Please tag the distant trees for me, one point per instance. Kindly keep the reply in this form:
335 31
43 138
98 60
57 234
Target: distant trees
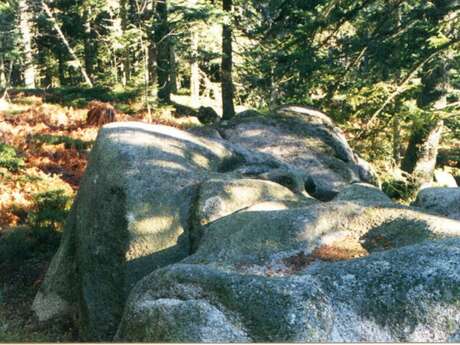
375 65
194 63
9 42
228 108
76 59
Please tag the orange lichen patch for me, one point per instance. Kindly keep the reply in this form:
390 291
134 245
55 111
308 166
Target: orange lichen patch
333 253
328 253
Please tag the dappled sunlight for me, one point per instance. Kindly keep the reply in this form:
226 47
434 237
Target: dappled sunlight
154 225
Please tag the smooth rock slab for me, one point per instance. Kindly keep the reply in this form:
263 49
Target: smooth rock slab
363 192
265 236
221 197
444 179
407 294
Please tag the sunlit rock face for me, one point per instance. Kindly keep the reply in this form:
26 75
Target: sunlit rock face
132 215
444 201
264 228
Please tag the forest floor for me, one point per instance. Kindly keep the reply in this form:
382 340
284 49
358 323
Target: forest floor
44 147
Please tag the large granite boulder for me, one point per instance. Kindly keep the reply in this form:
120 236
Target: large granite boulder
131 215
405 294
364 193
443 201
307 142
222 234
141 205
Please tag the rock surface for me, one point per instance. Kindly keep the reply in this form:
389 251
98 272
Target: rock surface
308 144
444 179
406 294
442 201
265 237
131 216
363 192
221 234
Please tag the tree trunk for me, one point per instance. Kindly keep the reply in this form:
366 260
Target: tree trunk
173 66
422 151
126 66
7 79
397 56
163 56
44 60
89 43
228 108
397 140
152 63
61 67
24 26
434 85
67 45
194 71
2 72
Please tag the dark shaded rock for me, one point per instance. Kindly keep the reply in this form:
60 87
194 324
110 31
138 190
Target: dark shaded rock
207 115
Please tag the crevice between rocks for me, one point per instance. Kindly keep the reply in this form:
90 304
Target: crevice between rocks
194 226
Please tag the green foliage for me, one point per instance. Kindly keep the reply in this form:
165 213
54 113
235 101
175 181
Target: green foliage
41 233
80 97
50 211
9 159
355 60
402 189
18 245
9 34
